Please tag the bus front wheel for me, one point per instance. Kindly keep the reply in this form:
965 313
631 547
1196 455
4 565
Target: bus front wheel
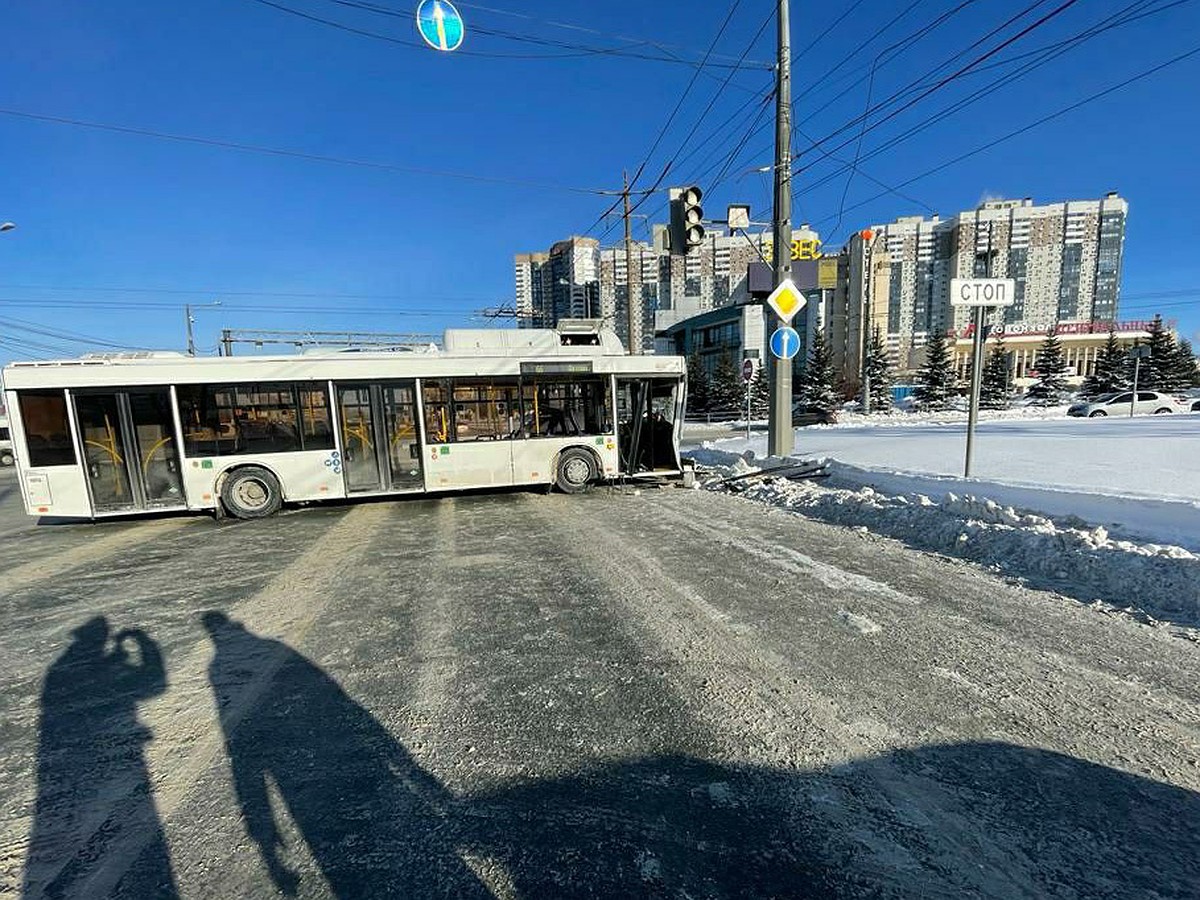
576 471
6 458
251 492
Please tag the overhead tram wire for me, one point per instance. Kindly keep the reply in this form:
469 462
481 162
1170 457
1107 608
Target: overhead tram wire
666 48
887 55
724 162
1009 60
291 154
667 124
875 63
832 25
703 115
1146 73
958 73
1049 54
227 309
930 73
573 51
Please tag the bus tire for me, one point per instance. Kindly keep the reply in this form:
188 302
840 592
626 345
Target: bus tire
576 471
251 492
6 458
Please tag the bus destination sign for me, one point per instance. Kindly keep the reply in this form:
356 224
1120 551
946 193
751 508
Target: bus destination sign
556 368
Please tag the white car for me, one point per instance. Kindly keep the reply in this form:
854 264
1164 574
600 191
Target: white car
1148 403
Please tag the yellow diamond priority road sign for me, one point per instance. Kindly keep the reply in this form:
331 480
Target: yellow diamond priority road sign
786 300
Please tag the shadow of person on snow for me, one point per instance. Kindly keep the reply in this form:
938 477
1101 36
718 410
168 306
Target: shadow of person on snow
940 820
94 800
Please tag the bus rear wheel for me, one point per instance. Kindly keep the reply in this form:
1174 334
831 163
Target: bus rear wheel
6 458
251 492
576 471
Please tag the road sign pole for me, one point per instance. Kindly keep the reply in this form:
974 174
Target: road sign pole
976 386
780 437
748 378
1137 362
747 412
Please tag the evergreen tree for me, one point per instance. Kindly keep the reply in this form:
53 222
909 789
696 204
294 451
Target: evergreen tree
760 393
879 369
1157 371
1051 369
699 387
994 390
727 390
818 381
1186 370
935 379
1109 375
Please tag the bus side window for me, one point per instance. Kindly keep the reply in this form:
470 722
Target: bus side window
47 432
436 396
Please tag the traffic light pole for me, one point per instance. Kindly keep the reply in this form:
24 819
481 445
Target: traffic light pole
780 437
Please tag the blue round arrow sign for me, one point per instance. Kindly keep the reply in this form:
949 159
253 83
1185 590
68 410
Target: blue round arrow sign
440 24
785 343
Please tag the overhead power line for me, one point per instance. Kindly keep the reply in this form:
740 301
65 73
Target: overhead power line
1032 125
958 73
291 154
1113 21
667 124
571 50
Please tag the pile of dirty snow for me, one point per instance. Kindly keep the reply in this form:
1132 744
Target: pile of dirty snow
1160 581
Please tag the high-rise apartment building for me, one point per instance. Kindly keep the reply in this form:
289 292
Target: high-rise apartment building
1064 257
561 284
577 279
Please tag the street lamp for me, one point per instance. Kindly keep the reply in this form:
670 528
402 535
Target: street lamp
7 226
191 320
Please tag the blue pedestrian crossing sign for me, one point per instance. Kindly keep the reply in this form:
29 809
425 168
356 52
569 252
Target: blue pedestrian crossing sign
440 24
785 342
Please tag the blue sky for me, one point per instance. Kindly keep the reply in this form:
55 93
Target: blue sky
117 231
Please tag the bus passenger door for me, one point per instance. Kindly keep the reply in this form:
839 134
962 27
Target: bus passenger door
356 419
648 416
129 450
381 447
399 402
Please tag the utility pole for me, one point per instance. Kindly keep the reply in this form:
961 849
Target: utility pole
633 308
780 437
191 340
865 318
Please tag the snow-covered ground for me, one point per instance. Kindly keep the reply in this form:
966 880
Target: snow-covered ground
1139 478
1109 510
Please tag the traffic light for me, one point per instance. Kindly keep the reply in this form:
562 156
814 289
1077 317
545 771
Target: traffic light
687 219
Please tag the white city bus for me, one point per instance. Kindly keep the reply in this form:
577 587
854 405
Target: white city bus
128 433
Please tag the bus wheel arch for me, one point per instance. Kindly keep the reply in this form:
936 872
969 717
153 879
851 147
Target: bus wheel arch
576 468
249 491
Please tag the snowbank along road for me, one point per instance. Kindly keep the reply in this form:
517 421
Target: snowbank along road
678 694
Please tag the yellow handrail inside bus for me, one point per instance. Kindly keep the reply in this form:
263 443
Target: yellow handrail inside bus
150 454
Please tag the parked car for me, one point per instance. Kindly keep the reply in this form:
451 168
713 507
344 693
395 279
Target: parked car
1117 404
812 415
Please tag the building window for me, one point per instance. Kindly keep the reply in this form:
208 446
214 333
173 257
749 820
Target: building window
47 431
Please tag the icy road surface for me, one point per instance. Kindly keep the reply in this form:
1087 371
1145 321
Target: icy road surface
675 694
